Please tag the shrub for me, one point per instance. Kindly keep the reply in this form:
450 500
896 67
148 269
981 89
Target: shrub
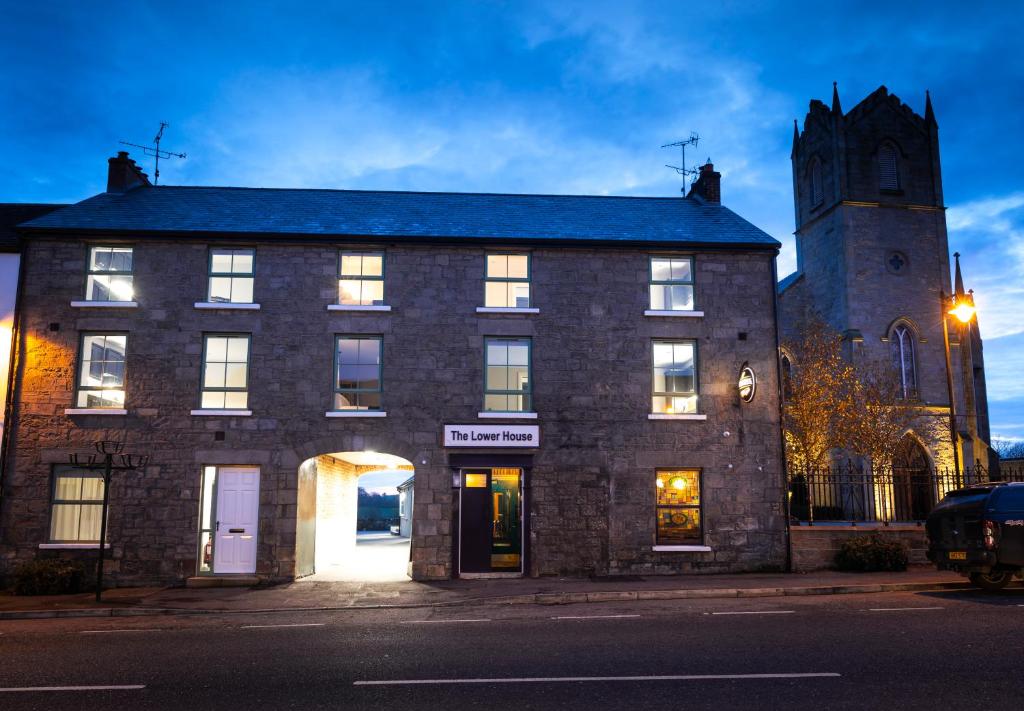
871 553
48 577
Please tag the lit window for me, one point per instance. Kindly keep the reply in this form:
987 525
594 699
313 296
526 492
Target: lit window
109 277
225 372
671 284
101 371
678 507
888 167
508 281
902 343
76 506
357 366
361 279
507 375
231 276
675 377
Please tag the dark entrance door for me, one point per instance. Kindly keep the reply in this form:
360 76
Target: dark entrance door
491 521
911 482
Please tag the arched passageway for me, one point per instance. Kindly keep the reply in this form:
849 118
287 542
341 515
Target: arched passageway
912 481
350 517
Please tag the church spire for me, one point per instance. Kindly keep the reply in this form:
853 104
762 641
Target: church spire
959 279
836 108
929 114
796 139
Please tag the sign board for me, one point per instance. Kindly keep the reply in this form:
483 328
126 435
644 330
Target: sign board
491 436
747 384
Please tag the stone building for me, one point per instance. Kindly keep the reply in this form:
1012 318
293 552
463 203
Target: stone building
873 263
558 373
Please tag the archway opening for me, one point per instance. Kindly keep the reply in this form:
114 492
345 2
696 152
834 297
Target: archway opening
912 481
354 517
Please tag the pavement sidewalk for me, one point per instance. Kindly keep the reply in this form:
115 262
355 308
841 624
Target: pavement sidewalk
303 595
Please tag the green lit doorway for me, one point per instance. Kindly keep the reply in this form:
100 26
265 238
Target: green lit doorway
491 521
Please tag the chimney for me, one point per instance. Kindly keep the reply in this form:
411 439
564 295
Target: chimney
123 174
709 185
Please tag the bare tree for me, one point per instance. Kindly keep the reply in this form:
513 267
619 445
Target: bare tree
1009 448
878 416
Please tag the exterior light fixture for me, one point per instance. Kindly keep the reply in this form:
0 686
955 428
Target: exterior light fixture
963 311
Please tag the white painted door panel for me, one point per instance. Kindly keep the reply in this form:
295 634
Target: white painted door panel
238 503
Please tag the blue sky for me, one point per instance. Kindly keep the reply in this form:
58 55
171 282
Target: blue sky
561 97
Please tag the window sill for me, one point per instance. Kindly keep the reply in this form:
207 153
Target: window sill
357 307
675 314
681 549
222 413
505 310
355 413
95 411
72 546
105 304
226 306
507 415
692 416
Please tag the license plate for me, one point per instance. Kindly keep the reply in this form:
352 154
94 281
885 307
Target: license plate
958 555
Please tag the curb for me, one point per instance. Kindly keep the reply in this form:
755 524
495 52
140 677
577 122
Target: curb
567 598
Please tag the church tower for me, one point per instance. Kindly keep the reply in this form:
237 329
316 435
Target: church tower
873 262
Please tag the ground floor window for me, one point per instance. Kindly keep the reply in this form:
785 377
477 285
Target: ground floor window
206 522
678 507
76 507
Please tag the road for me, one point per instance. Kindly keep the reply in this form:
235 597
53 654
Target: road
883 651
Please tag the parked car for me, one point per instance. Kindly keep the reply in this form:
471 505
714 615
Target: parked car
978 531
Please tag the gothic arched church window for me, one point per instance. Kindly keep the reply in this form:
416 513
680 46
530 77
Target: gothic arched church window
902 343
888 167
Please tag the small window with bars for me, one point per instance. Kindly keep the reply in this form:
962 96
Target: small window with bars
888 167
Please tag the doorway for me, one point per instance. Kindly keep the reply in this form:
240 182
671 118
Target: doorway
491 531
911 482
229 520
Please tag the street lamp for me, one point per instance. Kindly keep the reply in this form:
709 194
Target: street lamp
107 450
963 310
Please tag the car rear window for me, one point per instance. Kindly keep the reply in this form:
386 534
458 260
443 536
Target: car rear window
1009 498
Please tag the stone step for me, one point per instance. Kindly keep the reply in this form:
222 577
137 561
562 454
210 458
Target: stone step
222 581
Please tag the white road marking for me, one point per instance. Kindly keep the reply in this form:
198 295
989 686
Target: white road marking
125 687
557 679
758 612
298 624
901 609
593 617
430 622
155 629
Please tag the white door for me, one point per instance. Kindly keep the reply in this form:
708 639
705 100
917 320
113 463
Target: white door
238 503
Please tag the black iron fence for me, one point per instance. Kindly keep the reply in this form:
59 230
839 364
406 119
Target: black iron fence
850 493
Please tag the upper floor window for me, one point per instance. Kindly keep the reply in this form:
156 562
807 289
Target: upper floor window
507 375
231 276
225 372
109 276
671 283
902 342
101 371
507 283
361 279
357 376
76 505
817 194
674 388
888 167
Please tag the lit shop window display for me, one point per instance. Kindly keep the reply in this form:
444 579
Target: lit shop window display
678 507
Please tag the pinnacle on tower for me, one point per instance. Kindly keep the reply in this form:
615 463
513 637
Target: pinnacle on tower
836 108
929 114
959 279
796 139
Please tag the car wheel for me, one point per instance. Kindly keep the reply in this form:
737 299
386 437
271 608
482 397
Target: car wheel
992 582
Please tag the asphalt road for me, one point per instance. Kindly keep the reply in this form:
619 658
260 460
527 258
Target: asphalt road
894 651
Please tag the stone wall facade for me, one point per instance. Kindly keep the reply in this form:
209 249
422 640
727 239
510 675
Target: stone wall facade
590 494
815 547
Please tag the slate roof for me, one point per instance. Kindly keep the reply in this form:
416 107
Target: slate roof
406 215
13 213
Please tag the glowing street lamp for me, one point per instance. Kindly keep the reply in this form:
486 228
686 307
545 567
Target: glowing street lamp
963 311
961 308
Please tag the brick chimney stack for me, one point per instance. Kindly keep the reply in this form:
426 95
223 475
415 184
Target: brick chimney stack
708 185
123 174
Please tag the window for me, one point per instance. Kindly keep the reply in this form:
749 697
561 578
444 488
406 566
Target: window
507 375
101 371
787 377
357 376
361 279
507 284
678 507
225 372
77 505
109 277
888 167
817 195
231 276
671 284
902 343
675 377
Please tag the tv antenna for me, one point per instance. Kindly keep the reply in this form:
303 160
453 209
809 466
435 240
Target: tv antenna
681 168
156 152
